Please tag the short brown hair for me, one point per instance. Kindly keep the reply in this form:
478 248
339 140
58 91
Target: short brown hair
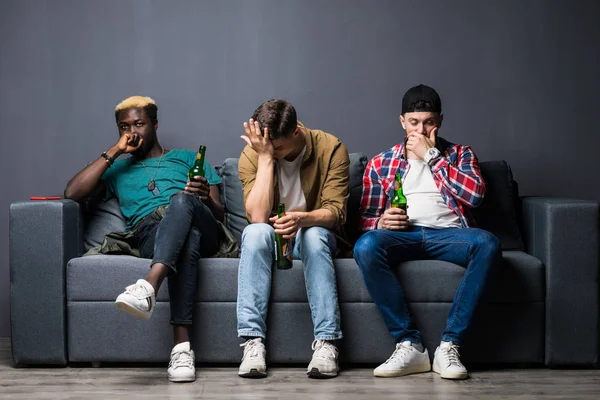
278 116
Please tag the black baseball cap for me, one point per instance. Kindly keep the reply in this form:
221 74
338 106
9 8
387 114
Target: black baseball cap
421 98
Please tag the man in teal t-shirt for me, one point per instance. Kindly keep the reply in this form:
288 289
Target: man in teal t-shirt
151 179
128 181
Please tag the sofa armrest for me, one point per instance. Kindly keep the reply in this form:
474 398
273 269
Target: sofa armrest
44 236
564 235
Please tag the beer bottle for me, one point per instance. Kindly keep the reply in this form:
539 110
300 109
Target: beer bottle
398 200
198 168
284 246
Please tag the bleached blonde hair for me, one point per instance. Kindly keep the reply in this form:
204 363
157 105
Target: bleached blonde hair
145 102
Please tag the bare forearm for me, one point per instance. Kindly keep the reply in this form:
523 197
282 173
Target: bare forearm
321 217
214 203
82 184
260 199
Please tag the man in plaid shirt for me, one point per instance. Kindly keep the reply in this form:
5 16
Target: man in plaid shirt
441 182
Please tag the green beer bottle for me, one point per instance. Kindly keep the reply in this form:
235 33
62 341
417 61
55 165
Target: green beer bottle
198 168
284 246
399 200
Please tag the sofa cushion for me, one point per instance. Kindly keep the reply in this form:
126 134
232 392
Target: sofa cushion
105 217
498 211
233 196
520 279
358 163
103 278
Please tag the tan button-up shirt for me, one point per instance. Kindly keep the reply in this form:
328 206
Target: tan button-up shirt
324 174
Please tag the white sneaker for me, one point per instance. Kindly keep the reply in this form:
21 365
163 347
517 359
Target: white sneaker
405 360
253 361
138 299
324 363
447 362
182 365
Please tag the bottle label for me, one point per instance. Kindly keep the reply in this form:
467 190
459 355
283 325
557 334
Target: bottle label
287 249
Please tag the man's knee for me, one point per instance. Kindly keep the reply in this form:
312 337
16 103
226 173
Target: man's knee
367 243
257 235
181 200
316 239
365 247
485 240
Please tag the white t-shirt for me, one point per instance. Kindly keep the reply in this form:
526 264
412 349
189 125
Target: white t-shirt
290 187
425 204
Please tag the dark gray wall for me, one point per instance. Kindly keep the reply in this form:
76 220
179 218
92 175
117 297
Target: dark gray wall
518 79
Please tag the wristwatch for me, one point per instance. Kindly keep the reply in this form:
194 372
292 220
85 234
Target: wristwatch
431 154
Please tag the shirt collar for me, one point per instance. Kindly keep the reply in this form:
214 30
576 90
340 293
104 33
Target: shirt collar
308 139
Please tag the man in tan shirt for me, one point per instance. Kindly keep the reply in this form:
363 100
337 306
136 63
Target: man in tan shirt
307 170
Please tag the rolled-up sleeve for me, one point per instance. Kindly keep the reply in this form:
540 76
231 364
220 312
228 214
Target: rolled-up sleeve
247 171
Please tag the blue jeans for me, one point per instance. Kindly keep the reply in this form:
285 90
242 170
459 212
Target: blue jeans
315 246
188 231
378 251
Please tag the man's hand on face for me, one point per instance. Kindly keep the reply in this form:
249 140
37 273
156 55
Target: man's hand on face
419 144
129 142
199 185
393 219
259 141
287 225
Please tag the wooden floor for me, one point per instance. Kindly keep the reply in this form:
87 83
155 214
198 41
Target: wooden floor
287 383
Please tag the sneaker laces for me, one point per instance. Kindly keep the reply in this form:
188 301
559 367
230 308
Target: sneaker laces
323 350
251 348
138 291
181 359
451 354
400 352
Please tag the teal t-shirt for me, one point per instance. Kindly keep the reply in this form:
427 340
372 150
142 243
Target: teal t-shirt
127 180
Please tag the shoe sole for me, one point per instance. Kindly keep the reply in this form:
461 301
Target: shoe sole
253 374
417 369
316 374
180 380
132 310
450 375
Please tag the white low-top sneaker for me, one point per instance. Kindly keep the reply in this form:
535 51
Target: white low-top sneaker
405 360
138 299
253 361
447 362
324 363
182 365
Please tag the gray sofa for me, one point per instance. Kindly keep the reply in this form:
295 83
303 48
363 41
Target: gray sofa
542 306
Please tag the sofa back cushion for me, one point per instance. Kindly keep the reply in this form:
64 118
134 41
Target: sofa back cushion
358 163
498 211
233 197
104 217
